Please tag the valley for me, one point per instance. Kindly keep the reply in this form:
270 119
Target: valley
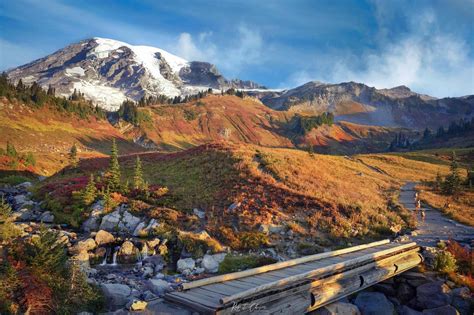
127 171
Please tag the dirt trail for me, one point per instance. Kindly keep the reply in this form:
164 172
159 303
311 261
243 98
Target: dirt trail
436 226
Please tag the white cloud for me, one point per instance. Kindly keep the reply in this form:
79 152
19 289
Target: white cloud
239 51
425 59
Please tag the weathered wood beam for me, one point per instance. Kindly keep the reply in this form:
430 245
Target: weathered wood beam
280 265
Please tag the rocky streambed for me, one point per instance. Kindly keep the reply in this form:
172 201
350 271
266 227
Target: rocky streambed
133 274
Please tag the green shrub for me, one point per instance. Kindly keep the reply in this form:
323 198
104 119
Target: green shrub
14 180
233 263
252 240
445 262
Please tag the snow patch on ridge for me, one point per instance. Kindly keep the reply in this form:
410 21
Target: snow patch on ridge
107 97
75 71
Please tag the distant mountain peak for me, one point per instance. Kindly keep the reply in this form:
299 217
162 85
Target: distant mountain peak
109 71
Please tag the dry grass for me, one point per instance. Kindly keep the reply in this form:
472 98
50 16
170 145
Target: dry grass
460 209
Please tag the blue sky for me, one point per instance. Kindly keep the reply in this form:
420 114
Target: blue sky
426 45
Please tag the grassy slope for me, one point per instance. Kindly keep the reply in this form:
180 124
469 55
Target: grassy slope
322 196
461 208
49 134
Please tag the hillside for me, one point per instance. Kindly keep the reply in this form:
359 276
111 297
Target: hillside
49 134
361 104
242 187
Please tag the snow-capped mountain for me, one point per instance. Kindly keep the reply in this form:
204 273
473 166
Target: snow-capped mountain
109 71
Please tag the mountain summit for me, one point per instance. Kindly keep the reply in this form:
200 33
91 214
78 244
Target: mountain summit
108 72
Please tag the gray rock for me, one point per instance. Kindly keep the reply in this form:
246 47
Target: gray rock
405 310
432 295
186 264
211 262
19 200
158 286
338 308
24 214
110 221
385 288
442 310
47 217
128 223
405 292
199 213
24 185
116 295
462 301
103 237
139 229
148 295
91 224
374 303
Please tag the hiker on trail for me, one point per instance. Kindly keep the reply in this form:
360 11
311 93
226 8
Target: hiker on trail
418 205
416 196
423 214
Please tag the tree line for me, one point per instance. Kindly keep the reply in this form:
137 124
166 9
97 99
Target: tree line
304 124
35 96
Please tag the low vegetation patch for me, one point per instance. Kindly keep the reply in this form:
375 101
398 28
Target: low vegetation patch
233 263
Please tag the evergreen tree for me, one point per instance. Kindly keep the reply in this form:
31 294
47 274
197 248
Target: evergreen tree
11 151
426 134
452 184
73 159
7 226
114 168
90 192
138 182
438 181
30 159
107 199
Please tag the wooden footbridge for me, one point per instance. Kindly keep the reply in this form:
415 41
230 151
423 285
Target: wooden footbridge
300 285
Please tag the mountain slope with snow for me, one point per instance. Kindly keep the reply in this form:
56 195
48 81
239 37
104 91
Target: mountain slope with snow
108 72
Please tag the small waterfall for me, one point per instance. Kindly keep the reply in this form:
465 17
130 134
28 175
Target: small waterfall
104 262
114 257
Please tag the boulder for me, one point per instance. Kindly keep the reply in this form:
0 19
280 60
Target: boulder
19 200
405 292
116 295
338 308
47 217
103 237
153 243
140 229
432 295
110 221
405 310
136 305
199 213
84 246
186 264
374 303
462 301
210 263
24 214
158 286
127 253
24 185
443 310
385 288
91 224
128 222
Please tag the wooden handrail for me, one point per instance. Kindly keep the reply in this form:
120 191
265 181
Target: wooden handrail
279 265
313 273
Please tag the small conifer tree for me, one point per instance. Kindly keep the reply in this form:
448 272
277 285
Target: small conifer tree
452 184
114 168
138 182
73 159
90 192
